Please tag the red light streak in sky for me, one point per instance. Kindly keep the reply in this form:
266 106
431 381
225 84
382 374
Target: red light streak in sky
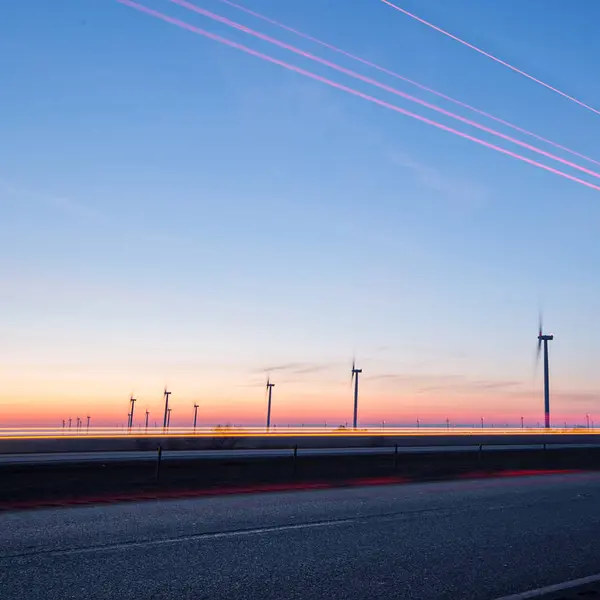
407 80
350 90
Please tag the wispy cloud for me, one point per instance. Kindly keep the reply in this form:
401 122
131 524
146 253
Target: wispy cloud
296 368
468 192
467 386
62 203
448 383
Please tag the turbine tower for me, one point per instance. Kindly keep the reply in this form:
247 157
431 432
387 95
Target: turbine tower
543 340
195 415
132 400
167 394
355 373
269 389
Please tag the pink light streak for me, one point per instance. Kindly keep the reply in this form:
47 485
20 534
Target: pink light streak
405 79
349 90
491 56
382 86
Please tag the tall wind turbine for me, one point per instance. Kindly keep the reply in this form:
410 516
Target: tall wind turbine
133 401
355 373
543 340
269 389
167 394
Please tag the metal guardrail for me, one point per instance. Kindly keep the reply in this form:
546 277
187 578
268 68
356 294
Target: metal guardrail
170 455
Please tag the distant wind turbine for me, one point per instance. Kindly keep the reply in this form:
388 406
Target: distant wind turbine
543 339
269 389
147 415
195 415
169 417
355 373
132 400
167 394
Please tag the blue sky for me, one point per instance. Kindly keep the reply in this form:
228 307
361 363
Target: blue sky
175 211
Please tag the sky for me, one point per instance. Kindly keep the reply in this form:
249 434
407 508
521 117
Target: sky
175 212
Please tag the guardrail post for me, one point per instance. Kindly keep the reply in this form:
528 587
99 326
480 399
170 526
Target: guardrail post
396 457
295 463
158 461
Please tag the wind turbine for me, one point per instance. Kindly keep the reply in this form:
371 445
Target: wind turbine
167 394
169 417
147 414
133 401
195 415
355 373
543 340
269 389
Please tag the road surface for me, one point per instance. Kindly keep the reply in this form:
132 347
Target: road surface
471 540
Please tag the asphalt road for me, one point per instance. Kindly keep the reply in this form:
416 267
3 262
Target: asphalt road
469 540
150 455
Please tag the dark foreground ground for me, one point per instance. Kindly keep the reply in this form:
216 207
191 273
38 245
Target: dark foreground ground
456 540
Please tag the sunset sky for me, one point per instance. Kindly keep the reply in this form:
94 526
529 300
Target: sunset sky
176 212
